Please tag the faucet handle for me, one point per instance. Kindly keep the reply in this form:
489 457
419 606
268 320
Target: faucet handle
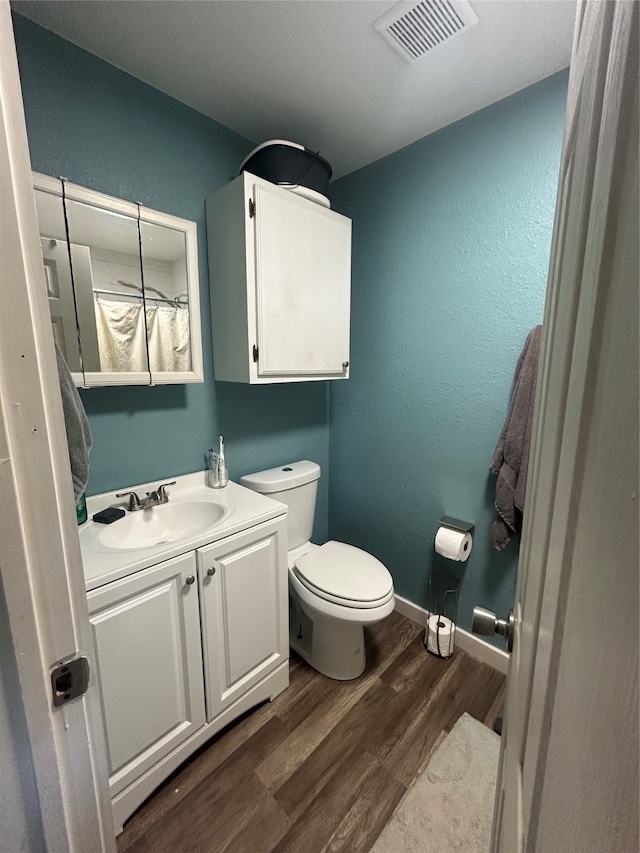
134 500
162 494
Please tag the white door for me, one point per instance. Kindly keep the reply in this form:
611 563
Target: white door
57 275
569 761
44 612
303 286
244 611
146 631
72 314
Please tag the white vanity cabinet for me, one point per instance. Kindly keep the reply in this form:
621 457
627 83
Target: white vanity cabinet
146 633
184 646
280 279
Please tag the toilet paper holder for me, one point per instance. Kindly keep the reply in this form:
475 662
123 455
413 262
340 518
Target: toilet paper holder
442 612
456 524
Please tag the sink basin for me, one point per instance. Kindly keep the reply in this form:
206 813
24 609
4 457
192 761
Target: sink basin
157 525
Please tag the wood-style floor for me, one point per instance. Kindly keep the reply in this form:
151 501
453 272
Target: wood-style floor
323 766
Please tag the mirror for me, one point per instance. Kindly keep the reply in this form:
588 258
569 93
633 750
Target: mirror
123 289
108 241
57 270
165 281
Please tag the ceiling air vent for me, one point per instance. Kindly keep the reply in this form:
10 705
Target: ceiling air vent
415 29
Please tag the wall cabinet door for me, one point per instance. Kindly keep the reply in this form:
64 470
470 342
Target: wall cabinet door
280 276
243 604
146 631
302 268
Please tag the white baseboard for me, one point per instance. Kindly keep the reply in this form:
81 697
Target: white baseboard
469 643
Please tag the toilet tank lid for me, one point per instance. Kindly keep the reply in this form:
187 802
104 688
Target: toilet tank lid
285 477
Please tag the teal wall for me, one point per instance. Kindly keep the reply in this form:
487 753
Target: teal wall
103 129
451 243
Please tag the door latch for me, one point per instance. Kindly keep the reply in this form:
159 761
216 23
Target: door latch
69 680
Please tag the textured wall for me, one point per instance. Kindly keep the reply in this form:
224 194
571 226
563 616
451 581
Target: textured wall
451 241
104 129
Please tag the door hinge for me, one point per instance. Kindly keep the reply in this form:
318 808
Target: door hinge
69 680
255 352
252 208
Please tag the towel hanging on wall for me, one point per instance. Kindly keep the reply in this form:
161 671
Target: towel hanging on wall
511 457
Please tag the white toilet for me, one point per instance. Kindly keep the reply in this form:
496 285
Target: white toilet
334 589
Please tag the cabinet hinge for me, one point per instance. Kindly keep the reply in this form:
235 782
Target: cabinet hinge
255 352
252 208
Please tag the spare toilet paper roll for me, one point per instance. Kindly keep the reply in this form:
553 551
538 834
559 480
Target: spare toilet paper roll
453 544
440 636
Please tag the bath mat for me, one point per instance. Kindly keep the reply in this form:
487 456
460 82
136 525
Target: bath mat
449 809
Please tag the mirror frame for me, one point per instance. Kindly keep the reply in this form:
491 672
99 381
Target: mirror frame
91 379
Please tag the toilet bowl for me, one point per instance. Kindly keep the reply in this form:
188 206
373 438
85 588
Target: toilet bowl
331 637
335 590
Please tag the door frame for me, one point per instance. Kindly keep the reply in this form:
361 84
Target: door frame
40 560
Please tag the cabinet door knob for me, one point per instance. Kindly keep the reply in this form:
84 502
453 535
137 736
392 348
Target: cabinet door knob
211 572
191 579
345 364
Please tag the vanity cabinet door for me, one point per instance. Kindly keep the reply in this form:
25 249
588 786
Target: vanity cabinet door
280 277
243 608
146 633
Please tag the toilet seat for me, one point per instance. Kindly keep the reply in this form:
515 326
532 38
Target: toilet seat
345 575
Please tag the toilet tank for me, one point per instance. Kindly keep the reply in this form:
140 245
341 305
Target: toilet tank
296 486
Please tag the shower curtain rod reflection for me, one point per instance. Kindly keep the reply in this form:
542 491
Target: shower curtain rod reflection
148 287
177 301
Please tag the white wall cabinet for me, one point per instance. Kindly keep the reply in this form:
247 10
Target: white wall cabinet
123 287
210 623
280 279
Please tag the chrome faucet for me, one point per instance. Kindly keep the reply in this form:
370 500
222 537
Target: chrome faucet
154 498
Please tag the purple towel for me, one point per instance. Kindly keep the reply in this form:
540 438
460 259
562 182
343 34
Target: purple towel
511 457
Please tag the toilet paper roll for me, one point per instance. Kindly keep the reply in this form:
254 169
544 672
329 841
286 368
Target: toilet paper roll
440 636
453 544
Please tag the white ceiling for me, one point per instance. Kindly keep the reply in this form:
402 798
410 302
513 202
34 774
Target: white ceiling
315 71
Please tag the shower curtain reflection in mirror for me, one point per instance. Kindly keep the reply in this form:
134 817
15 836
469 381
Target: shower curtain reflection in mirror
121 336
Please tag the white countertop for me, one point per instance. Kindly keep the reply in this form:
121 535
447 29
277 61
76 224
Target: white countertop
243 509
